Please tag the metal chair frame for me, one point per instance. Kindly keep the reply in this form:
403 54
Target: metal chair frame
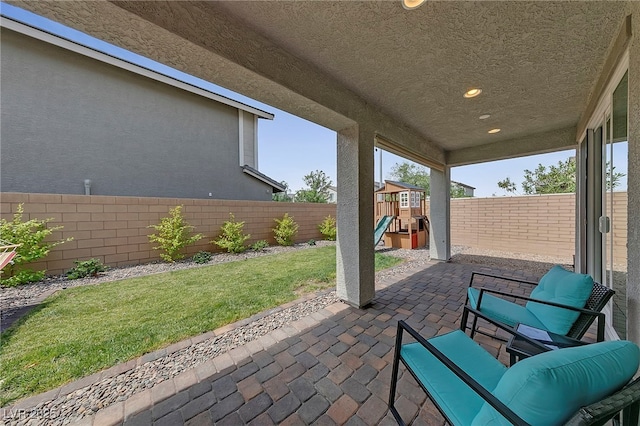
598 299
625 400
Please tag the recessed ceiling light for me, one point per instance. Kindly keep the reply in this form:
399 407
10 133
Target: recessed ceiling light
484 116
412 4
492 131
472 93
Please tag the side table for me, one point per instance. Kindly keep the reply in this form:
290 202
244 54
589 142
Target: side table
519 348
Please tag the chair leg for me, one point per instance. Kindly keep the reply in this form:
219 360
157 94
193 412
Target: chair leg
473 326
463 320
631 415
394 377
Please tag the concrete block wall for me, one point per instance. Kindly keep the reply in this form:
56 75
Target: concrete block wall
115 229
537 224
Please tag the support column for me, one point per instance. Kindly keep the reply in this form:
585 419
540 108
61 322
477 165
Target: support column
440 214
633 179
355 261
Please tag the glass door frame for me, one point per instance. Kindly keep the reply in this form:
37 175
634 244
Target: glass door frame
591 196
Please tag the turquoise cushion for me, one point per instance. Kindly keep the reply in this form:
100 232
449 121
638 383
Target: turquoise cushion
547 389
563 287
502 310
456 399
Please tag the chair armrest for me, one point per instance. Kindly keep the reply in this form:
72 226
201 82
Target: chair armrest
508 329
529 299
505 411
601 411
599 316
484 274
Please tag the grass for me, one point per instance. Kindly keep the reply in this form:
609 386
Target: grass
83 330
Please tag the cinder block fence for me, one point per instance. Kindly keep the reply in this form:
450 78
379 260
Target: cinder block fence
115 229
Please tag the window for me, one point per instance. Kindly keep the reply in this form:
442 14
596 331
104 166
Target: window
404 199
415 199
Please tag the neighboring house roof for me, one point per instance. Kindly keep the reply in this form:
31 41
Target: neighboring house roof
137 67
402 185
463 184
277 186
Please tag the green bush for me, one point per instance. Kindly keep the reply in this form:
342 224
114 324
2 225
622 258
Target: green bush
260 245
232 238
311 242
173 235
30 235
202 257
328 228
285 230
86 268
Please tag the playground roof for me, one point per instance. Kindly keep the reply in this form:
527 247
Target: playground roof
401 185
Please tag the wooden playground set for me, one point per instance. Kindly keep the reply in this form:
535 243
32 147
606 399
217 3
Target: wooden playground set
400 216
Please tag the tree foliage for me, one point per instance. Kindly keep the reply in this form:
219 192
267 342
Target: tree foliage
411 174
285 230
420 176
232 236
457 191
173 234
317 191
283 197
556 179
31 235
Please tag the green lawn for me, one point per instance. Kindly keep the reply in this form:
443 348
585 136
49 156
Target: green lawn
83 330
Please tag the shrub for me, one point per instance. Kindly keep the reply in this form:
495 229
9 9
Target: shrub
173 235
285 230
30 235
260 245
328 228
86 268
311 242
202 257
232 238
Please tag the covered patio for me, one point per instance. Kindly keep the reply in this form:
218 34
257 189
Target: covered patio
380 75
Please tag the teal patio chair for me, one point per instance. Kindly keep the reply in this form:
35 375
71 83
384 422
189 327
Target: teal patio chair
585 385
562 302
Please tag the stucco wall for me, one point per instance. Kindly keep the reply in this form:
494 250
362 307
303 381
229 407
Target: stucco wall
67 118
115 229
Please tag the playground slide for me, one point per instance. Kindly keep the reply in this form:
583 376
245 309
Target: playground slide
381 227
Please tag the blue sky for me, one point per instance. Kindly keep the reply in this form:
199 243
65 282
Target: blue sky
291 147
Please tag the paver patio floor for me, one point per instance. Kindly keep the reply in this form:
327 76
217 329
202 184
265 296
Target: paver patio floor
337 370
332 367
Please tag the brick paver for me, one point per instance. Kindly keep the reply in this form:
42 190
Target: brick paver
330 368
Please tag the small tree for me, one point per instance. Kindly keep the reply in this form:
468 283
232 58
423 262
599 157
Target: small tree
232 237
30 235
556 179
283 197
328 228
173 235
318 184
411 174
285 230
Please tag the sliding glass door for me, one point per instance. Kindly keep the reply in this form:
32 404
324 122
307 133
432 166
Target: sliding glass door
615 205
602 201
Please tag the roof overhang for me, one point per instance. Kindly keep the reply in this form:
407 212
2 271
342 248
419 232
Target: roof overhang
56 40
275 185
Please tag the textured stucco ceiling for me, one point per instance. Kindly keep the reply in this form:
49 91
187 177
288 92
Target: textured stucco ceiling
398 74
535 61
